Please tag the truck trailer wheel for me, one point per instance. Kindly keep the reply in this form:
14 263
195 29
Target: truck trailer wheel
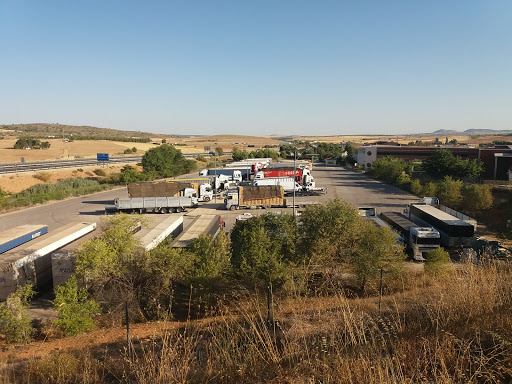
179 209
163 210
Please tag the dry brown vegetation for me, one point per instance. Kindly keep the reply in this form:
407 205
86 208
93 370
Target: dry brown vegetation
453 330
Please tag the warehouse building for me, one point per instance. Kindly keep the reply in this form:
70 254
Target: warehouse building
497 161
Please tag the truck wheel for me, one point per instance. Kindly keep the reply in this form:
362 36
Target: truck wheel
179 209
163 210
232 208
206 199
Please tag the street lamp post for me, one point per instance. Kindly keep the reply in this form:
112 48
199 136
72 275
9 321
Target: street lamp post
294 178
215 171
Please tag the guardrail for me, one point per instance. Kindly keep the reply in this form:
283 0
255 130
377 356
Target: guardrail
55 164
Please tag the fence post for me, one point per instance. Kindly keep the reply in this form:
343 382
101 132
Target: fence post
380 293
128 331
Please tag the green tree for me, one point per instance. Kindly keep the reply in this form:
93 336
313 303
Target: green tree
15 323
263 247
416 187
75 312
376 249
327 232
164 141
389 169
219 151
437 263
449 191
429 189
441 163
167 161
477 197
213 255
100 259
444 163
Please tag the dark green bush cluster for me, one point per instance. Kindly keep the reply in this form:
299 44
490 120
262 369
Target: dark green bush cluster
29 142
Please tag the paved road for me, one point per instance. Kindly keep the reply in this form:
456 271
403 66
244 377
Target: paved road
361 190
354 187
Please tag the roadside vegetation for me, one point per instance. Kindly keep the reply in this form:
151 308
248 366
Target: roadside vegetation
159 162
281 301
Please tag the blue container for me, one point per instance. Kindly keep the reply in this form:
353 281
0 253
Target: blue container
14 237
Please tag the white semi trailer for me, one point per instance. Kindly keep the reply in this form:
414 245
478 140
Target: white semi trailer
155 204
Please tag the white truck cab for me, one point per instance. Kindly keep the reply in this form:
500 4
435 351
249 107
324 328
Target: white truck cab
423 240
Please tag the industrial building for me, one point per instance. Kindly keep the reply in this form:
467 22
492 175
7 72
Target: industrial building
497 161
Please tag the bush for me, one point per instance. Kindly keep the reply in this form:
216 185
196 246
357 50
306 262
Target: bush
75 313
477 197
449 191
100 172
201 158
43 176
15 322
438 262
416 187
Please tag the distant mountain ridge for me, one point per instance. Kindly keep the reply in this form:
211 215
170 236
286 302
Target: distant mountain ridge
472 132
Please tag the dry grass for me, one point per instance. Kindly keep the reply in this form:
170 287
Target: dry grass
455 330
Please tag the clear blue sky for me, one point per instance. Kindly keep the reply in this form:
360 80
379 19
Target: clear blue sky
258 67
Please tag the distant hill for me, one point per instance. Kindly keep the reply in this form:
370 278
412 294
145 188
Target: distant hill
488 131
451 132
43 129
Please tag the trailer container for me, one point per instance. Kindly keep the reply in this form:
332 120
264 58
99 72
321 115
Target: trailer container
454 232
31 263
14 237
169 227
255 197
170 189
233 174
203 224
288 183
155 204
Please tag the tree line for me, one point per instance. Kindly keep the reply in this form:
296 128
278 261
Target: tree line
444 172
275 249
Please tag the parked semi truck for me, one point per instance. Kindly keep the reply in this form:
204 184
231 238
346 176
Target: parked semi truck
14 237
170 189
221 182
302 176
288 183
454 231
154 204
255 197
232 174
419 240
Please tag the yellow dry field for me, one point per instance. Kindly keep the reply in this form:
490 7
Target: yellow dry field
226 142
14 183
75 149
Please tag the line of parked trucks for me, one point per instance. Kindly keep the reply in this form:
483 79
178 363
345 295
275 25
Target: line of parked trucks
425 226
269 185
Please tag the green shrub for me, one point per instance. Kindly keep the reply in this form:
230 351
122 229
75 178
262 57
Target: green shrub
201 158
438 262
15 323
74 311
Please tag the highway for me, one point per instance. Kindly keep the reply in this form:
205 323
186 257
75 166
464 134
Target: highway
76 163
354 187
